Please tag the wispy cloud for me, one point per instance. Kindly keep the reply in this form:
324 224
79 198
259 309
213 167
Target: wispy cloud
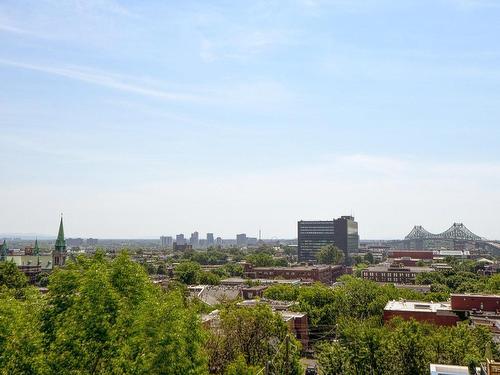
104 79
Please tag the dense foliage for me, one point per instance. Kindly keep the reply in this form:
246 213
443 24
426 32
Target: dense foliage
355 298
346 325
103 317
250 337
401 348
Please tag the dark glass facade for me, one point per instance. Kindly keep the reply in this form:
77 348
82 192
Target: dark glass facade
346 235
312 235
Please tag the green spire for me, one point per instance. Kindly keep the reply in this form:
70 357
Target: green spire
36 250
60 242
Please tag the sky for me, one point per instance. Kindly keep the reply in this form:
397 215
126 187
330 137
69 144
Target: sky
145 118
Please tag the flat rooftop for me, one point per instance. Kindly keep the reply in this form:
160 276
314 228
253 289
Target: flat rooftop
448 370
387 268
419 306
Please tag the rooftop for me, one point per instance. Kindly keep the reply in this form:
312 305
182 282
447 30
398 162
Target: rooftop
417 306
448 370
388 268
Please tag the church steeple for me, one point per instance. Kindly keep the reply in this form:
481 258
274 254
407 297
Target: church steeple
59 254
61 242
36 250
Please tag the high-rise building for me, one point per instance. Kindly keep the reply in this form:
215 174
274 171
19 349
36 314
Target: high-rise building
346 235
210 239
180 240
312 236
166 241
241 239
194 241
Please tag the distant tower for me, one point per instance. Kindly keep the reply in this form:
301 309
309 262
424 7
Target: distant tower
59 254
36 250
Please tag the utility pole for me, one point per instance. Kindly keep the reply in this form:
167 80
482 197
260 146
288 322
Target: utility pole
287 361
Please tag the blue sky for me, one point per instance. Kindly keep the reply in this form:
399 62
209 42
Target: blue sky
142 118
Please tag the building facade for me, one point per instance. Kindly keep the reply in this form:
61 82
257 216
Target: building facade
346 236
439 313
312 236
476 302
394 273
241 239
322 273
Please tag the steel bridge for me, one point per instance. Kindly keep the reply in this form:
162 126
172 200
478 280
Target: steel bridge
457 231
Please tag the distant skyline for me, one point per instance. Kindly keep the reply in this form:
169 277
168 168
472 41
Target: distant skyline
143 118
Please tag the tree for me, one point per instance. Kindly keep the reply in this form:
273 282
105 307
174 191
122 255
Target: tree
369 258
107 317
261 259
330 254
240 367
255 333
11 277
188 272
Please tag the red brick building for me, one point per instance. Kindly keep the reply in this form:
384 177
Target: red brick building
435 313
395 273
322 273
475 302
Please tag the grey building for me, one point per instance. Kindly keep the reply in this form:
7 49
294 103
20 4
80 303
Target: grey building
166 241
210 239
241 239
180 240
194 241
312 236
346 235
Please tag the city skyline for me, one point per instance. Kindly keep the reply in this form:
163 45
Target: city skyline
135 117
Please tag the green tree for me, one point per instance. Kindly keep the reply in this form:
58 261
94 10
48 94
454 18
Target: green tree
11 277
369 258
330 254
107 317
257 334
240 367
188 272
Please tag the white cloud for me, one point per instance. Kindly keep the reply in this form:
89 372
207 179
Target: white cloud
102 79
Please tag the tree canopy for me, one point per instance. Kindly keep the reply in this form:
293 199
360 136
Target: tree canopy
330 254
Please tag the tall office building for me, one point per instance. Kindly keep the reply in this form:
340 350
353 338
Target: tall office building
241 239
194 240
218 241
166 241
210 239
346 235
312 236
180 240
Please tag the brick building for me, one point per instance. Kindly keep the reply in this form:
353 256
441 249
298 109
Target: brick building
393 273
476 302
436 313
322 273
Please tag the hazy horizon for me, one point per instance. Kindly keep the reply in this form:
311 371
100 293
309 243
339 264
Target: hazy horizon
138 119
